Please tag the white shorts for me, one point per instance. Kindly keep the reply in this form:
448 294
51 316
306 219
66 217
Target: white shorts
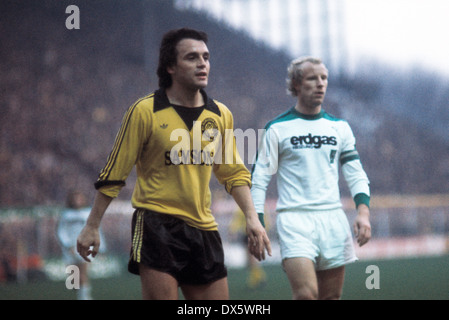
321 236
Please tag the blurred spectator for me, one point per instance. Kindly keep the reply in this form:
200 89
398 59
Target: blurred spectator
72 220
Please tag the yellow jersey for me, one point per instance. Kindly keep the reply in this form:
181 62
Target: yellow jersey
175 149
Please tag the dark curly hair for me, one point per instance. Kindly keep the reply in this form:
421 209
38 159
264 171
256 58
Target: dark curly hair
168 52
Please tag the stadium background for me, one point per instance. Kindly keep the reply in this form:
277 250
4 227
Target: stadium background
64 92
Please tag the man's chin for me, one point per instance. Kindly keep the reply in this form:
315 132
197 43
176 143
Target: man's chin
202 84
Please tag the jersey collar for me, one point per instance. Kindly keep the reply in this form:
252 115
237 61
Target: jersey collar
308 116
161 101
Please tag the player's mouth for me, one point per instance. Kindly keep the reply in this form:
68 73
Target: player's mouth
201 75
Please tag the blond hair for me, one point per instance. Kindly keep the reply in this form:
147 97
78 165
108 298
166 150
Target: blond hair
295 72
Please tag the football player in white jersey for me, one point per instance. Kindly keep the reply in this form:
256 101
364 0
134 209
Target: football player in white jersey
304 147
72 220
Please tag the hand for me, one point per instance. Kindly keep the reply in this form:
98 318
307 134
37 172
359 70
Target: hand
258 240
362 225
257 237
88 242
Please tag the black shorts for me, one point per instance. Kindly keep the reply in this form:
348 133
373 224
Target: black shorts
167 244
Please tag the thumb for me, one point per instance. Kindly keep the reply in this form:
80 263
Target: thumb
95 249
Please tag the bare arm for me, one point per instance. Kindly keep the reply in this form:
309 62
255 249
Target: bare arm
90 234
258 240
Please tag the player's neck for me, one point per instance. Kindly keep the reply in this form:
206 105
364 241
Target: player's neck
308 110
185 97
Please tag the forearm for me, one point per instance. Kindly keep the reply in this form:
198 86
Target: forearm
357 180
363 209
242 196
101 203
88 241
257 237
258 195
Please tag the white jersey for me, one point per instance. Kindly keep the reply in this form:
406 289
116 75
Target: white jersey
304 152
70 225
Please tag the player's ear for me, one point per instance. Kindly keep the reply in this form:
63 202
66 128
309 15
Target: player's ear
171 70
297 87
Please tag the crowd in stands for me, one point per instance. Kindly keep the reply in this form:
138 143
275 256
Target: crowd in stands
64 92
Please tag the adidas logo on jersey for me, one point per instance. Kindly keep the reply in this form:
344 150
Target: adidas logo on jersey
310 141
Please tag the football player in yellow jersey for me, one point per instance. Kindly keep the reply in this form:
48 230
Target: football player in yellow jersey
173 137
